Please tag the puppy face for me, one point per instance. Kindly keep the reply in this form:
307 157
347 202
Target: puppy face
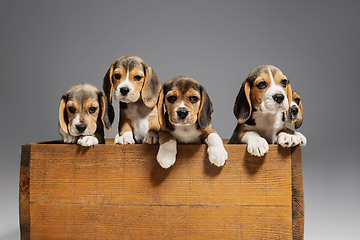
295 113
186 102
266 89
130 78
81 108
268 93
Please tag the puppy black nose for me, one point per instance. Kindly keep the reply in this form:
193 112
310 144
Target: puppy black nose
294 111
81 127
278 98
124 90
182 114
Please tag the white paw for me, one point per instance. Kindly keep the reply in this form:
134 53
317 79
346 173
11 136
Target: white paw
302 138
287 140
217 155
166 156
258 146
87 141
151 138
69 139
126 138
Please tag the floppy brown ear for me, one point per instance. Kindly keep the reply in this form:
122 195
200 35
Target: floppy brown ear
107 111
160 108
151 89
289 93
206 109
299 123
63 118
107 83
242 106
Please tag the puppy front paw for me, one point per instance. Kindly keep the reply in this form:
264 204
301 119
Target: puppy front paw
217 155
151 138
166 156
301 139
126 138
87 141
258 147
287 140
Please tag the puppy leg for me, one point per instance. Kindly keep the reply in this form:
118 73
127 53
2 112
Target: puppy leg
216 150
152 134
256 145
66 138
87 141
166 156
125 135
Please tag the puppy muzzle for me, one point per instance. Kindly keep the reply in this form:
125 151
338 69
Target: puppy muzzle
294 113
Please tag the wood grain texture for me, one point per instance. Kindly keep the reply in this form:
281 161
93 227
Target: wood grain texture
120 192
24 192
297 194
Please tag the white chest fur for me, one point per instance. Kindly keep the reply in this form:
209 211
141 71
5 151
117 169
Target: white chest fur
267 125
138 114
187 134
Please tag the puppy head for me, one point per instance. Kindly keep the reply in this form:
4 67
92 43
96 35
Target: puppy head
295 113
81 108
130 78
266 89
186 102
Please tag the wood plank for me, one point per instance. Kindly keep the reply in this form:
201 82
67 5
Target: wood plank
24 192
120 192
297 194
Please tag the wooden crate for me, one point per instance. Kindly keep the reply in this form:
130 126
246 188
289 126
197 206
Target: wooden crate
120 192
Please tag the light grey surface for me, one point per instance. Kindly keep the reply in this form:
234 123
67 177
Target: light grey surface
46 47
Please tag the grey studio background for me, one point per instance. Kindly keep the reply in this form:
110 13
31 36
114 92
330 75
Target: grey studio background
48 46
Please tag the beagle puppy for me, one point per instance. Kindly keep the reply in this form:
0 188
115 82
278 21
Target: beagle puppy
295 113
295 116
136 86
260 108
83 113
186 119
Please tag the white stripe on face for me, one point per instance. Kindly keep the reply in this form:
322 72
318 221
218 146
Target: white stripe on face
124 84
271 76
268 103
182 104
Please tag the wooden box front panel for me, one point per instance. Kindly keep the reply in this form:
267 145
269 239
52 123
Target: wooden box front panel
120 192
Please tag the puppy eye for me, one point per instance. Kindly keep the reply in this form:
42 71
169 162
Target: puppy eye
171 99
261 85
92 109
284 82
72 110
193 99
117 76
297 100
137 78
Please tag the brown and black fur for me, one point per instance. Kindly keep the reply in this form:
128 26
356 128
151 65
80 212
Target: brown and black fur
81 97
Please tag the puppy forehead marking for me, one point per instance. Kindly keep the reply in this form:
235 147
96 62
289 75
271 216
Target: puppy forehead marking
183 85
129 63
82 92
264 70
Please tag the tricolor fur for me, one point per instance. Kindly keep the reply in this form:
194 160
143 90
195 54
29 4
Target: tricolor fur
295 116
136 86
260 109
83 113
185 113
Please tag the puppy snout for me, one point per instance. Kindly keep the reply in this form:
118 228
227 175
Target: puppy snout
124 90
182 114
279 98
81 127
294 111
